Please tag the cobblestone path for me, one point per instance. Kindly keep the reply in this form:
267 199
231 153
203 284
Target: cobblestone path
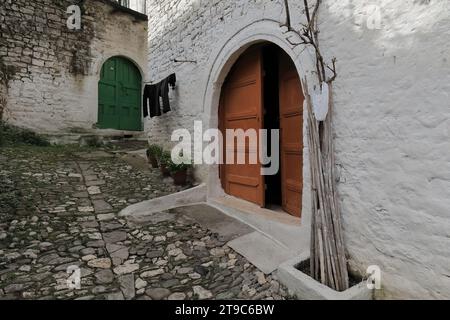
58 212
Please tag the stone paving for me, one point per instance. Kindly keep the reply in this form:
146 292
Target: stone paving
58 213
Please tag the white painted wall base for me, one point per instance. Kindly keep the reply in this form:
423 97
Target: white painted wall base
185 198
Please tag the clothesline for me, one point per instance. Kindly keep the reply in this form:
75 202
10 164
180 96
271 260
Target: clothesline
152 82
155 82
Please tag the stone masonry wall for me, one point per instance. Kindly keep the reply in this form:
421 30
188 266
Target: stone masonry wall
392 117
55 71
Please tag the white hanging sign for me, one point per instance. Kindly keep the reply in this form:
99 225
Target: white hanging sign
320 100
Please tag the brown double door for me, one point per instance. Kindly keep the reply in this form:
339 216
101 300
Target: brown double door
242 106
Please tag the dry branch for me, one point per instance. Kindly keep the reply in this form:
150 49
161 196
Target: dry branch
328 259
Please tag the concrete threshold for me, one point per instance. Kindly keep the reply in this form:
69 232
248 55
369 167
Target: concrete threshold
280 227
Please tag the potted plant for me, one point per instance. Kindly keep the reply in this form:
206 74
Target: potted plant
153 153
179 172
164 161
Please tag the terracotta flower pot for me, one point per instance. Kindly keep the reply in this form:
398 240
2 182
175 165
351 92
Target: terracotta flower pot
153 161
164 170
180 177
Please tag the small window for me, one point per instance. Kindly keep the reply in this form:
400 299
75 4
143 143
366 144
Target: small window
136 5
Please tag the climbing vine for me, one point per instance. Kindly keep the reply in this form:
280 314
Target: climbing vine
4 77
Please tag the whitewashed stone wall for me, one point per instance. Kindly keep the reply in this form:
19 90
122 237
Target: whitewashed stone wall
392 116
55 71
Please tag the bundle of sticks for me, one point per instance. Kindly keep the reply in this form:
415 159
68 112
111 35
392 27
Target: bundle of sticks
328 260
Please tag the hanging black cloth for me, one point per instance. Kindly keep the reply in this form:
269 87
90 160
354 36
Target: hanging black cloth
151 99
153 93
164 91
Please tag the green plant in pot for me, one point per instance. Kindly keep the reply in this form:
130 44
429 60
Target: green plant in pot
179 172
153 154
164 162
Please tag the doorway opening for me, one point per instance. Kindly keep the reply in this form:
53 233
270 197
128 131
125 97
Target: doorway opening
272 119
263 91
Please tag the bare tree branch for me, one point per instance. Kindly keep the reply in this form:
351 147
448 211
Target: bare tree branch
328 262
288 14
332 69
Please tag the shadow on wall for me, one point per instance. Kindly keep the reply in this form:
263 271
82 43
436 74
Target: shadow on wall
391 119
387 73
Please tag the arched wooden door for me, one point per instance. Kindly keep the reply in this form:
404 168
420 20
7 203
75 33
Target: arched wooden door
241 108
119 96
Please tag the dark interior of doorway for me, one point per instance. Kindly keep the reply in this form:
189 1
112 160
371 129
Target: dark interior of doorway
272 118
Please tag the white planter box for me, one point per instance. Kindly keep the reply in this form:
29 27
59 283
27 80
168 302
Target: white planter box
306 288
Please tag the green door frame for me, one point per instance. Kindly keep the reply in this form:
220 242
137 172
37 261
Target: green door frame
120 95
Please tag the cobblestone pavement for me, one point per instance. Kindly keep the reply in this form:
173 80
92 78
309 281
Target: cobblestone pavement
58 212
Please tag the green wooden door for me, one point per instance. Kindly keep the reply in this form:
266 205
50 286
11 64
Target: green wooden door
119 92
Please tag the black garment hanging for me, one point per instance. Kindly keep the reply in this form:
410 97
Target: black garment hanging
154 92
164 91
147 93
151 99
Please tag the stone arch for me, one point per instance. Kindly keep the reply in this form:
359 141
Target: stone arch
220 64
100 62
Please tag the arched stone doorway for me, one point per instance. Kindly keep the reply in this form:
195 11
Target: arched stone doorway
263 91
120 95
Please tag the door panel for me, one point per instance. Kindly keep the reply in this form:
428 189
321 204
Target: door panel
108 110
120 95
241 108
291 125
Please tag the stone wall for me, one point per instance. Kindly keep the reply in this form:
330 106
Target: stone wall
53 88
392 116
